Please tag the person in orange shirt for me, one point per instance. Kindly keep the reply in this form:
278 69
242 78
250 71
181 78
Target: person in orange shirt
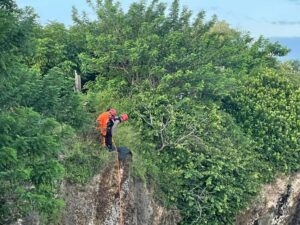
106 123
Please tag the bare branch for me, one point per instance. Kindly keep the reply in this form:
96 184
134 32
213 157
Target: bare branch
147 122
144 117
185 136
164 126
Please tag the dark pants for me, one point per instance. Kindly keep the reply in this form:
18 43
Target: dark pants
108 140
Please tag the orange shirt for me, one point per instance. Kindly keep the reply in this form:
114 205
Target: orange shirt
102 120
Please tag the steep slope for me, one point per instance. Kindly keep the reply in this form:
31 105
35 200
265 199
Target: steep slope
98 202
277 204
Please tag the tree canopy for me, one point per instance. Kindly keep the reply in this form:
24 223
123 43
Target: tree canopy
213 113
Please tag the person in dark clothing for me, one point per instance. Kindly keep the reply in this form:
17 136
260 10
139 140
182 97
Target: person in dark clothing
107 123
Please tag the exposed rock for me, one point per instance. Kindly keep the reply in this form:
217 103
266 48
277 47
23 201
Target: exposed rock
98 203
32 219
278 204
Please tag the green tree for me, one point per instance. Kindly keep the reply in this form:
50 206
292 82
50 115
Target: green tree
175 77
267 108
29 166
213 118
30 142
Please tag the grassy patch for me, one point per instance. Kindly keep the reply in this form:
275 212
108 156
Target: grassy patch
86 160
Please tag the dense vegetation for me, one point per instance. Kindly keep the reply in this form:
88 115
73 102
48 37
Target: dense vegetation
213 113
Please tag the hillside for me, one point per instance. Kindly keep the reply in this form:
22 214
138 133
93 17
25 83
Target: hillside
213 116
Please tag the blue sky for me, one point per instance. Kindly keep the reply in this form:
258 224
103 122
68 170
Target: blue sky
271 18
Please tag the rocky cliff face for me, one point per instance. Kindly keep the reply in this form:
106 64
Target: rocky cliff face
278 204
98 203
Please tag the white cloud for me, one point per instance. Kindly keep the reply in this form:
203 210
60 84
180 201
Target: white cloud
282 22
